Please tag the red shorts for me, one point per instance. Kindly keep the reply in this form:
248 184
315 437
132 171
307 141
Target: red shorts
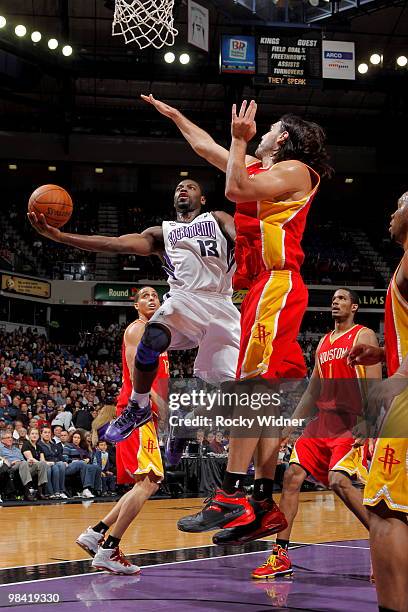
271 315
320 455
139 454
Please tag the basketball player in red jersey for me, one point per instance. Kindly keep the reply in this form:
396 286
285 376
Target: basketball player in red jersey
138 457
273 192
326 449
386 491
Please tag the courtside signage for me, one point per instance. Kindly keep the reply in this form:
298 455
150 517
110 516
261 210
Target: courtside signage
338 60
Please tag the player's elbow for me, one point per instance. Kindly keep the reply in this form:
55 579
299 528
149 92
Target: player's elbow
235 194
231 194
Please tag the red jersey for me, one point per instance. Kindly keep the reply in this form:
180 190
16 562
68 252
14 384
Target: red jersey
395 327
269 234
331 360
160 383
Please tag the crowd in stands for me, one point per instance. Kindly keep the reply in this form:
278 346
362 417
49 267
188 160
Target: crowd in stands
331 256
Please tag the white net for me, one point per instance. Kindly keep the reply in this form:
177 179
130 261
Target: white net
146 22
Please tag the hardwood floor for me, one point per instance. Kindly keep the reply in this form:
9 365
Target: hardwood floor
44 534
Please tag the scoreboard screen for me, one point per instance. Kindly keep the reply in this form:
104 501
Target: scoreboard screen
237 54
289 60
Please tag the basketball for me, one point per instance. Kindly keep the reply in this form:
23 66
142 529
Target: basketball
53 202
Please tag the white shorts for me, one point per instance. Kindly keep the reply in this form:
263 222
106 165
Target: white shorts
209 321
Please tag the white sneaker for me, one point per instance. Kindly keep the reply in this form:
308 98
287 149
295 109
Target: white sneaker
1 501
113 561
89 541
86 493
63 495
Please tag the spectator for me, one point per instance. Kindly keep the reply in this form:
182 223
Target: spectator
77 455
53 454
216 446
14 459
35 459
101 458
56 433
82 418
62 418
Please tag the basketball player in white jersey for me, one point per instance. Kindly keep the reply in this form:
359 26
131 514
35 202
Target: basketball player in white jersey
197 253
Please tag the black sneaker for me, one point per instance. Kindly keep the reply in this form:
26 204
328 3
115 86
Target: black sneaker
221 510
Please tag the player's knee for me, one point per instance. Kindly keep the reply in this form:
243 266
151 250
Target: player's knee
293 478
338 482
155 340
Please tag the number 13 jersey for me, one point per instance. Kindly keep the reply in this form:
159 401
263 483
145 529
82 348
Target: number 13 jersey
198 257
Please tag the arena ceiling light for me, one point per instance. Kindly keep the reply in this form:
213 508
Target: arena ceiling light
375 59
12 166
402 61
98 170
36 36
184 173
52 168
314 2
83 268
20 30
3 21
362 68
169 57
348 181
67 50
184 58
52 43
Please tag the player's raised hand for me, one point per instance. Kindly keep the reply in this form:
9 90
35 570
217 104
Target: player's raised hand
365 354
164 109
243 125
41 226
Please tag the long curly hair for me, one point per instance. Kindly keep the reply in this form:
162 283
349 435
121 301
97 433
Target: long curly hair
306 142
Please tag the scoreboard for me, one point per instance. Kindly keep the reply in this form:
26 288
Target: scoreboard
289 60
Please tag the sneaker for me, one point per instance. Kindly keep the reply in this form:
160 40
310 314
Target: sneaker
131 418
63 495
221 510
89 541
1 500
114 561
174 450
87 494
277 564
268 520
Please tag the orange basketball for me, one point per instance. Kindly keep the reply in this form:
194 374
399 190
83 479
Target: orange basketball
53 202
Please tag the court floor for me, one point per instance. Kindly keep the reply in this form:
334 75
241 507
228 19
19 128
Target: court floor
330 574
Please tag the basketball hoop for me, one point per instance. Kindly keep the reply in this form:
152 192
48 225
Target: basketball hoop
146 22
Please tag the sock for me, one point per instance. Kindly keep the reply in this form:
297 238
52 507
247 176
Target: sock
233 482
283 543
101 527
263 489
141 398
111 542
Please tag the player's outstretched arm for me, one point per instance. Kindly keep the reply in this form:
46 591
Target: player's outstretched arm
201 142
149 242
366 355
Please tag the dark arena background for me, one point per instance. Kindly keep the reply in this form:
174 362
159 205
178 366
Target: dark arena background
71 115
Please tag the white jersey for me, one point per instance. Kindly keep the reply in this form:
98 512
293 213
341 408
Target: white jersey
197 256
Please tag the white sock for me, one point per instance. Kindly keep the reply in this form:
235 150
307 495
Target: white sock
141 398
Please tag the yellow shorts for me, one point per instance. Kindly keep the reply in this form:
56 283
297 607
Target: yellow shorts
139 454
388 477
354 464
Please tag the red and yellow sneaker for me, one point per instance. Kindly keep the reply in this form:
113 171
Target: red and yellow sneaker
268 520
221 510
278 564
